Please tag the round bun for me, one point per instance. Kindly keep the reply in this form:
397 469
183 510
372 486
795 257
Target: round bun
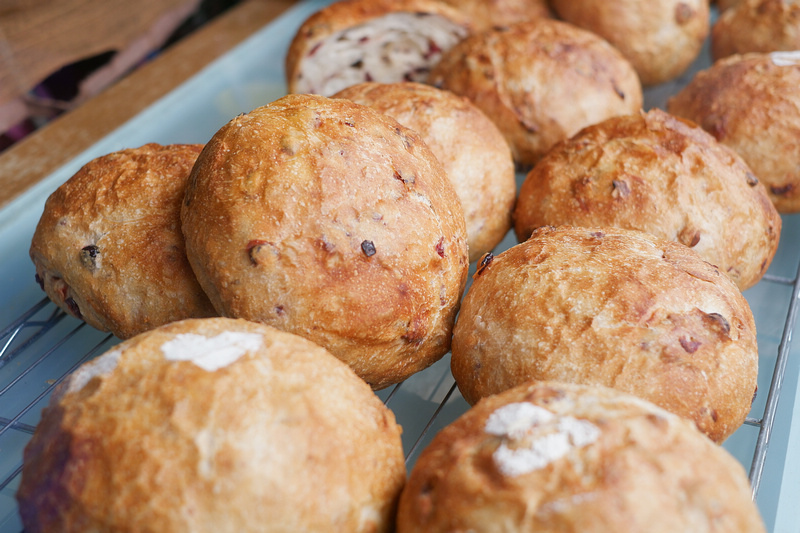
540 81
108 248
330 220
653 172
472 150
213 425
611 307
757 26
552 457
661 39
352 41
488 14
766 131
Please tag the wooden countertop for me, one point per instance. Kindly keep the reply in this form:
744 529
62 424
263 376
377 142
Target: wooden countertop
48 148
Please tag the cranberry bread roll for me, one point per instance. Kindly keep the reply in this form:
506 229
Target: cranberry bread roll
352 41
328 219
472 150
757 26
656 173
540 81
766 131
553 457
661 38
108 248
213 425
612 307
488 14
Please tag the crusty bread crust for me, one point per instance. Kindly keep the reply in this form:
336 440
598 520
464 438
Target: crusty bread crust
756 26
611 307
661 39
541 81
660 174
592 460
108 247
488 14
328 219
766 131
473 152
284 437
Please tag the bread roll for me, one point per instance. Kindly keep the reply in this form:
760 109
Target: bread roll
611 307
352 41
552 457
488 14
766 131
108 247
661 38
540 81
472 150
656 173
213 425
328 219
757 26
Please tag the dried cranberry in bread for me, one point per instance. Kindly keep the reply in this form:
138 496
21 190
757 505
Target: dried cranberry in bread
552 457
540 81
352 41
656 173
766 131
661 38
213 425
330 220
757 26
487 14
108 247
613 307
472 150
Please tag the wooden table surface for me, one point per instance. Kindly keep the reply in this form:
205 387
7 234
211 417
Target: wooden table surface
48 148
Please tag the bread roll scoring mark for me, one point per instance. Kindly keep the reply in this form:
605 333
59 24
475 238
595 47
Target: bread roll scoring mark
534 437
785 59
211 353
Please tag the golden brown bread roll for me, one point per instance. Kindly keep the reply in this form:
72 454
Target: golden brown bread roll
352 41
766 131
611 307
487 14
757 26
472 150
552 457
661 38
540 81
213 425
108 247
656 173
330 220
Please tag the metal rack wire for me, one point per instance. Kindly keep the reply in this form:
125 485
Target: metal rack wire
41 333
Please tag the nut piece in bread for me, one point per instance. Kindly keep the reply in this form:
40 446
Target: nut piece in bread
757 26
213 425
553 457
108 247
352 41
331 220
540 81
612 307
660 174
488 14
474 153
766 131
661 38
